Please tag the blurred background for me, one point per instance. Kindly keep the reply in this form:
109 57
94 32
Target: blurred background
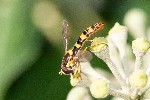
31 46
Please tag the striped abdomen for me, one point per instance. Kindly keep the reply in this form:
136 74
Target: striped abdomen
84 36
68 62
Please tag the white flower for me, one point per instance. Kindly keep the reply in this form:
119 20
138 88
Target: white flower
99 88
138 79
131 74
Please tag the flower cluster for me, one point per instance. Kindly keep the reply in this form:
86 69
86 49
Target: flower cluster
130 77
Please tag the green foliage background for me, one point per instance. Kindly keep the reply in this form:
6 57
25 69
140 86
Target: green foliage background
30 42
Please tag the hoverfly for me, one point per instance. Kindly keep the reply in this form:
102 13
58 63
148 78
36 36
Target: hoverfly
70 62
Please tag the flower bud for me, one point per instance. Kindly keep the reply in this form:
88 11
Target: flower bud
98 44
141 44
99 88
138 79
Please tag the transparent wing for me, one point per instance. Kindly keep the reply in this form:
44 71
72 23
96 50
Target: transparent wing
65 34
87 56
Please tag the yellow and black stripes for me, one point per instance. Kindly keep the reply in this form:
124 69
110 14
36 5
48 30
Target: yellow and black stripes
68 61
85 35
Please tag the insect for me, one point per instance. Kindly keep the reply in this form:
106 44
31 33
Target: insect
70 62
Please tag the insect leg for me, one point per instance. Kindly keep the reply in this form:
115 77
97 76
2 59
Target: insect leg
89 40
83 52
85 49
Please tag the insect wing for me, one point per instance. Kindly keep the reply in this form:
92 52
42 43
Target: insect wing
65 34
87 56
